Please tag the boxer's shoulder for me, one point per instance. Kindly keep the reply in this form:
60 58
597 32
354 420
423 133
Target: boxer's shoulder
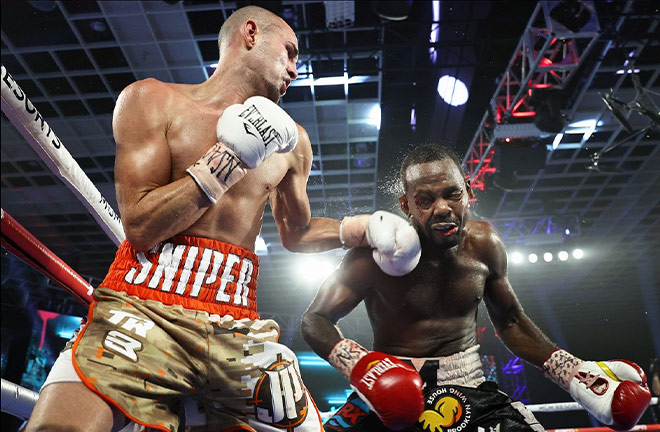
485 242
147 95
481 233
359 261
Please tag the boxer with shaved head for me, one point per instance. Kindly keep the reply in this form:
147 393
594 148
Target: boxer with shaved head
176 318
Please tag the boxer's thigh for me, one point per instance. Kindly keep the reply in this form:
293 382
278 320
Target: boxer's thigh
70 406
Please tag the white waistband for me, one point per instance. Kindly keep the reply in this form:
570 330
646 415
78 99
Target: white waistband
462 368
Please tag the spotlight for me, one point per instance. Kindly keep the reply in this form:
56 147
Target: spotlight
562 255
374 116
547 257
567 231
393 10
452 90
578 253
315 269
516 257
533 258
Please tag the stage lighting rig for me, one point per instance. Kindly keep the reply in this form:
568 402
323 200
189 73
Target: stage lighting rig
643 105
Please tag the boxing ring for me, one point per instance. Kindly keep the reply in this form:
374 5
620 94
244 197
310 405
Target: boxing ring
19 401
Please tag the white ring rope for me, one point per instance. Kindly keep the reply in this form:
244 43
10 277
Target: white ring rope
565 406
17 401
36 131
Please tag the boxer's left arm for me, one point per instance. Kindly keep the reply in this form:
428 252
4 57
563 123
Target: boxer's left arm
299 232
615 392
515 328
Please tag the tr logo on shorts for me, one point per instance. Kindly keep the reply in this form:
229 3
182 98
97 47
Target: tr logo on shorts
279 396
121 343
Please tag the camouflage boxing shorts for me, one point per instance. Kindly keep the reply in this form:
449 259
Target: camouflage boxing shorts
179 323
144 357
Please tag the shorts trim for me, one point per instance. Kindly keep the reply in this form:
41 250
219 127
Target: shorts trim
89 383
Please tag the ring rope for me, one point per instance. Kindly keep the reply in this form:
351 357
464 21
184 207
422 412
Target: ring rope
564 406
19 401
36 131
20 242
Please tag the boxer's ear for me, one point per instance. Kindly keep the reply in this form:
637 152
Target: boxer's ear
468 187
249 32
403 201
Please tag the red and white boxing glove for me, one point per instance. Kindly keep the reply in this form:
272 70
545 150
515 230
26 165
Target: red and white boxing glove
395 242
391 388
248 133
614 391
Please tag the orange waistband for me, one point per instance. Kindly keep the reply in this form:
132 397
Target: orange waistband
194 272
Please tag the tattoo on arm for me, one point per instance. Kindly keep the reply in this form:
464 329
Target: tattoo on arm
345 355
561 368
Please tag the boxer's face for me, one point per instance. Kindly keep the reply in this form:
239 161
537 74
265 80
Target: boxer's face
437 200
278 55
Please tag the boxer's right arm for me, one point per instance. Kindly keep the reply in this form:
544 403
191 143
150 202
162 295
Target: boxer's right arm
152 208
391 388
338 295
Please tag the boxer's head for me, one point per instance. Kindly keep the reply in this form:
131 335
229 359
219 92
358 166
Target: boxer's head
435 194
264 46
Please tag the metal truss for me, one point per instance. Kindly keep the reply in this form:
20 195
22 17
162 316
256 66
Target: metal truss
546 58
537 230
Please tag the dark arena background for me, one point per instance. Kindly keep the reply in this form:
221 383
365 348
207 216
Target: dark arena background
553 107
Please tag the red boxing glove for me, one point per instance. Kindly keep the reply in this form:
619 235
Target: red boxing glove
392 388
614 391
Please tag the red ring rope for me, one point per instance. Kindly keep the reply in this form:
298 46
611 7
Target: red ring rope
19 241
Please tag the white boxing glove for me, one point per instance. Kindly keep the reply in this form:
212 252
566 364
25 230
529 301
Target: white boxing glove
614 391
395 242
256 129
247 134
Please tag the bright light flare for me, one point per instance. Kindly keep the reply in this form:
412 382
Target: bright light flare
315 269
516 258
578 253
562 255
452 90
547 257
374 116
532 258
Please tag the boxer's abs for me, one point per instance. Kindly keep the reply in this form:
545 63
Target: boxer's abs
426 338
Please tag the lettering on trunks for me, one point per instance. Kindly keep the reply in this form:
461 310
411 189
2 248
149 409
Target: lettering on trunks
195 270
447 410
267 133
136 324
279 396
121 343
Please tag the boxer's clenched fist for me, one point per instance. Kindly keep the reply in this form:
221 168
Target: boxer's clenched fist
247 133
395 242
391 388
615 391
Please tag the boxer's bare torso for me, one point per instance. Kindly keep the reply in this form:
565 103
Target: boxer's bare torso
432 311
184 128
